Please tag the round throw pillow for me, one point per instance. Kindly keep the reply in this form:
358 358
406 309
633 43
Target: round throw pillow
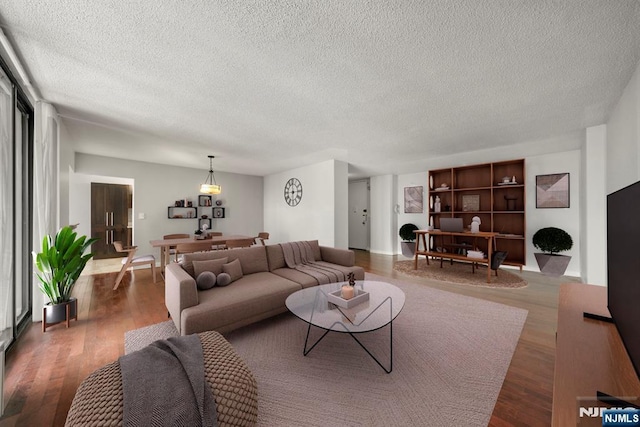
223 279
206 280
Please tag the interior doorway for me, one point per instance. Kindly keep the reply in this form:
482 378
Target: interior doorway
359 231
111 209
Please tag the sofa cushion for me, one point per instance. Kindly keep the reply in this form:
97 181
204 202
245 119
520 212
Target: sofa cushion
212 265
253 259
276 256
315 246
233 269
206 280
304 280
248 297
223 279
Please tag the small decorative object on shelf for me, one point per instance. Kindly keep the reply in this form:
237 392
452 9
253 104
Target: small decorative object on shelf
204 200
475 224
218 202
436 205
218 212
352 279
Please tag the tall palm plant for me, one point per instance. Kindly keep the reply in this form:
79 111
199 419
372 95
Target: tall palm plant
60 263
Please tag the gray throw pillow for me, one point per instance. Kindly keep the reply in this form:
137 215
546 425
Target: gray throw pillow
212 265
206 280
223 279
233 269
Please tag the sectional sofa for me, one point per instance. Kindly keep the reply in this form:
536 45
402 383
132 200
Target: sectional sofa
258 292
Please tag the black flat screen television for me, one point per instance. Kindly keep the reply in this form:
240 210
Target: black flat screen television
623 264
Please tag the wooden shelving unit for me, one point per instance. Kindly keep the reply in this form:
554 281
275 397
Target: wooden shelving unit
500 205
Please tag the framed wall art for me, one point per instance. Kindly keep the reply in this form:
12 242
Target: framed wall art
413 202
471 202
552 191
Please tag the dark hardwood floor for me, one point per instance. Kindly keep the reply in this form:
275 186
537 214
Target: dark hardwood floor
43 370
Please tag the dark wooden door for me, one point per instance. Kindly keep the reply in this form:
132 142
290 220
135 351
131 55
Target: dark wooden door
110 204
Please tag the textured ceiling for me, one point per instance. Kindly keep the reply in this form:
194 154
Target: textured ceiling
272 85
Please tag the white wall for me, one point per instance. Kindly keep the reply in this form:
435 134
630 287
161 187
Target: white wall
383 214
593 218
321 214
419 219
158 186
623 138
66 164
341 204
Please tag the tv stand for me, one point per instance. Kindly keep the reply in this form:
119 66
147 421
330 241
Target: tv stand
599 317
590 356
614 401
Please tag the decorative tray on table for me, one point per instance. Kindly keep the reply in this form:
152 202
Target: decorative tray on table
359 297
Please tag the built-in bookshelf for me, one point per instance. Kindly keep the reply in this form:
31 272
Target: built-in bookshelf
494 192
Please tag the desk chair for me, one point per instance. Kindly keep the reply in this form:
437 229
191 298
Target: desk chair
262 236
240 243
172 249
131 260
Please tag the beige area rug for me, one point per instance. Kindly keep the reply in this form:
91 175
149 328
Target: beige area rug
451 354
461 273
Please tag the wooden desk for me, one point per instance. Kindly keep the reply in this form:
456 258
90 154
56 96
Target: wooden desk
421 237
590 356
164 245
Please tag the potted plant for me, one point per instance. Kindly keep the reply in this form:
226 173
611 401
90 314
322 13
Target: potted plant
552 240
59 264
408 236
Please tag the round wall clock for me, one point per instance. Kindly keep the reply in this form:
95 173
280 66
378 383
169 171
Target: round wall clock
293 192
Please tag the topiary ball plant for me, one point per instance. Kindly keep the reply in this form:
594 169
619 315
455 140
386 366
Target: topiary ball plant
407 232
552 240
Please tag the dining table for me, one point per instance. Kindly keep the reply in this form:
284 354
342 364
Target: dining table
207 244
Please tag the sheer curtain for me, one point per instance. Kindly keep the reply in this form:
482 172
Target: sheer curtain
45 185
6 210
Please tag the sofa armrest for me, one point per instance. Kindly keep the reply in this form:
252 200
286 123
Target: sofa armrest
180 291
343 257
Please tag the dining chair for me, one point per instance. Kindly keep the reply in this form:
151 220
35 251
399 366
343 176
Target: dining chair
131 260
240 243
172 249
211 234
189 248
262 236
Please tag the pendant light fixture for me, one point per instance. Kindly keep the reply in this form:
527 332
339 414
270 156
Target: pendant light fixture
210 186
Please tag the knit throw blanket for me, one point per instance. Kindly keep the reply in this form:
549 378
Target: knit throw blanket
164 385
299 256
